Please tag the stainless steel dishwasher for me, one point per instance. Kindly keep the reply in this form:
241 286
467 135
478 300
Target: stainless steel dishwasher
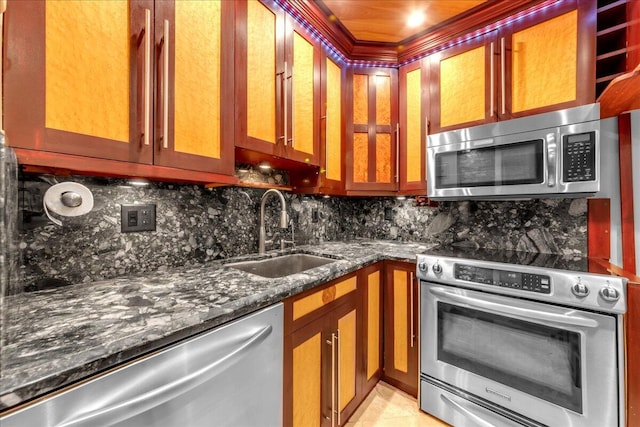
231 376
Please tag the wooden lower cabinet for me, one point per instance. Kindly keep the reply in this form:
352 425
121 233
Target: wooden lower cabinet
371 285
401 326
321 355
341 338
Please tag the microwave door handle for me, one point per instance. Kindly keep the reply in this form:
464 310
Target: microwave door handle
552 156
518 312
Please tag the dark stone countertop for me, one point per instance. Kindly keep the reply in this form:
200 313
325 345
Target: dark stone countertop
58 336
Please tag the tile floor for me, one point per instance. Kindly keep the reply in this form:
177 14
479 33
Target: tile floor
386 406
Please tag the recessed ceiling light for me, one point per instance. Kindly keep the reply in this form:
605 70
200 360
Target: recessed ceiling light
415 19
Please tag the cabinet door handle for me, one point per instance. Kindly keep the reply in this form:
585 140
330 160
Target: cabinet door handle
503 61
124 410
326 139
285 93
397 152
293 110
491 81
333 379
338 375
147 75
165 84
411 320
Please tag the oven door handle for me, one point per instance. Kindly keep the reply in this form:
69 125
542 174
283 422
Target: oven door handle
563 319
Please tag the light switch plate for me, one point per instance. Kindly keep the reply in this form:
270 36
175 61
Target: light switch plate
138 218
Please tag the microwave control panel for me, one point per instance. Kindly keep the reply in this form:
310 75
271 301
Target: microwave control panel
506 279
579 157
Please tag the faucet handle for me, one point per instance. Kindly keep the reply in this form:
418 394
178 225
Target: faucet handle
284 219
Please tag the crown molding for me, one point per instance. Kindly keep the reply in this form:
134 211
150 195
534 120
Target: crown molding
394 54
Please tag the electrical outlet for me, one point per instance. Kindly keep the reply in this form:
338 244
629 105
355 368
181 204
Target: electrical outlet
388 214
137 218
314 215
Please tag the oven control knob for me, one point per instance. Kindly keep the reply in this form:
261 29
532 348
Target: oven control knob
580 290
423 266
609 294
437 268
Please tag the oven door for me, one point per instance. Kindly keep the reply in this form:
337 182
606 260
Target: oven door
554 365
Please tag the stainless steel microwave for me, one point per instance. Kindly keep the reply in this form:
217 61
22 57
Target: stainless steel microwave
554 154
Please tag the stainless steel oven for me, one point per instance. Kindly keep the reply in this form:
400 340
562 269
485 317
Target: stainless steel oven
509 345
551 154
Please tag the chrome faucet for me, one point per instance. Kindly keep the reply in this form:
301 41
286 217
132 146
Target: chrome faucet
284 218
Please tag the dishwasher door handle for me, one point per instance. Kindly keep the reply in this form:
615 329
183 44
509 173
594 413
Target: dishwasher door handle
129 408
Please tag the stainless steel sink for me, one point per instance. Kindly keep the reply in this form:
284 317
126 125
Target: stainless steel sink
282 266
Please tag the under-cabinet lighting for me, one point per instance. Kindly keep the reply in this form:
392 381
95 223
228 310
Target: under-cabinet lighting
401 197
138 182
264 166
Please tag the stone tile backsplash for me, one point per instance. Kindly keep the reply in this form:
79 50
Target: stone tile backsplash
196 225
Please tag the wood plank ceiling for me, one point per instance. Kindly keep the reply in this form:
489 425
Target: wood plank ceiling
387 21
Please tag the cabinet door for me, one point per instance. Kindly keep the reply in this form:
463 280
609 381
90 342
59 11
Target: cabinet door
332 166
302 115
371 283
194 103
321 365
346 367
259 73
372 136
307 360
330 178
414 104
400 327
530 82
463 84
75 80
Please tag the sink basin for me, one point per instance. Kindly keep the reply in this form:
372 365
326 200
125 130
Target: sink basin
281 266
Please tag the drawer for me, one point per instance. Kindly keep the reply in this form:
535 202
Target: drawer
303 308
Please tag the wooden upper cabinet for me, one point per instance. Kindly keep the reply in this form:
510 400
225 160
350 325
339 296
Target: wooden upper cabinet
303 91
463 84
542 62
414 123
259 35
194 102
139 82
530 82
278 84
75 79
372 129
331 178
